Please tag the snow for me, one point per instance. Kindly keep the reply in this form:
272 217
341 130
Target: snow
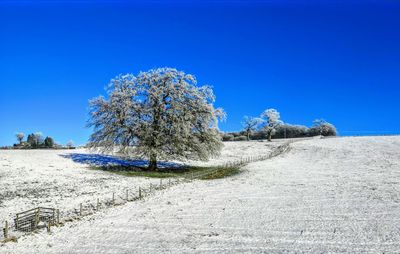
48 178
161 112
323 195
62 178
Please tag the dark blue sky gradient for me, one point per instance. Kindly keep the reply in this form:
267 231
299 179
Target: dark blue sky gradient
338 61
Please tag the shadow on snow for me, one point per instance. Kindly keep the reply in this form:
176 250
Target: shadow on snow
109 160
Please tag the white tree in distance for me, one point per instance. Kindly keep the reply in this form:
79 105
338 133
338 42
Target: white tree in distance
70 144
251 124
20 136
272 119
159 114
39 137
323 128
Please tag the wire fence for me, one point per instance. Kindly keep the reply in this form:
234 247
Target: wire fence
125 196
368 133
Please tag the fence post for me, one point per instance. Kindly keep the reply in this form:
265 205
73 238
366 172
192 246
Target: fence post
160 183
36 218
16 222
113 199
150 187
58 216
5 230
127 197
169 182
140 193
80 209
54 217
48 227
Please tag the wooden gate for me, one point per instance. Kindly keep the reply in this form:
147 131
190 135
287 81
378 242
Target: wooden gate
31 220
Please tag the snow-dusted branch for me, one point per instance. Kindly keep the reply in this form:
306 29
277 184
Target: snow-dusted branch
272 119
162 113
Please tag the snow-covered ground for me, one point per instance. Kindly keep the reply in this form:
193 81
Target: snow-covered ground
324 195
61 178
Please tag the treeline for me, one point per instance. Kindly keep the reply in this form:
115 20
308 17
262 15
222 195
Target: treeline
283 131
269 126
37 140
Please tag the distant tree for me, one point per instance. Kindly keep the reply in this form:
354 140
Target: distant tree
323 128
49 142
250 124
32 140
259 135
240 138
39 138
272 119
227 137
291 131
70 144
20 136
161 112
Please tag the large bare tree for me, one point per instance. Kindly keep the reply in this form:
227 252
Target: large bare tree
251 124
159 114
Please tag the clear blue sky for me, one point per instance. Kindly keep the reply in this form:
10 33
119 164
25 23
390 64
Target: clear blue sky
339 61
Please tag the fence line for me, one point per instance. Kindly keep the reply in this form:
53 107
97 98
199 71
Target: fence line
131 195
244 161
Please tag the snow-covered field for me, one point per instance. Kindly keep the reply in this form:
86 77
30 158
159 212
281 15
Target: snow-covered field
324 195
61 178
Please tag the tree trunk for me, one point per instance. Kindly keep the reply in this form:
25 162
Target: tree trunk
270 136
152 163
248 136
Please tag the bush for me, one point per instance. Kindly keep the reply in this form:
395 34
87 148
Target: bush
49 142
228 137
259 135
323 128
240 138
320 127
32 140
291 131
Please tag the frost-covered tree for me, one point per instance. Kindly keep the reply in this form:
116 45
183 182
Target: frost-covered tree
39 138
159 114
70 144
291 131
20 136
49 142
272 120
250 124
227 137
32 140
323 128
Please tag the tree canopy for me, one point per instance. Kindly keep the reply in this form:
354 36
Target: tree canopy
272 121
158 114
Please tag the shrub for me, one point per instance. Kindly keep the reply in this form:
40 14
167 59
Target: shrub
321 127
259 135
291 131
240 138
49 142
228 137
32 140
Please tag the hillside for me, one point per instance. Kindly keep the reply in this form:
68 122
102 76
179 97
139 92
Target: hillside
324 195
